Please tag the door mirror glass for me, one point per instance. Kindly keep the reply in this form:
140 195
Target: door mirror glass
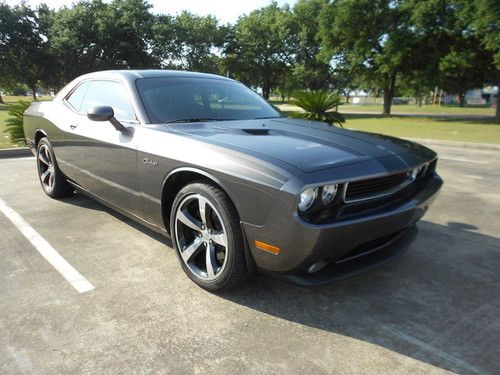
101 113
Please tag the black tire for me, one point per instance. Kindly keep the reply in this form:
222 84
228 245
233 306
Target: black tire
53 182
232 269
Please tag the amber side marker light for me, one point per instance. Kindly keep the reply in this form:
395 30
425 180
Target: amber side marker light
266 247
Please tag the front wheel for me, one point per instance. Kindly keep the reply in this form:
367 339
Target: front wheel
207 237
53 182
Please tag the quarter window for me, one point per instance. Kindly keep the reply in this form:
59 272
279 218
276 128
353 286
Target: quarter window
112 94
77 96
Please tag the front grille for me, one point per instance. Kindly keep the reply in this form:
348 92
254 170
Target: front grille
376 187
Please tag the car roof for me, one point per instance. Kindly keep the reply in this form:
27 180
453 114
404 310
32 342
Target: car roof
133 75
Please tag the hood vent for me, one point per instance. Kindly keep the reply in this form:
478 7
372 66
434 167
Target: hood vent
257 131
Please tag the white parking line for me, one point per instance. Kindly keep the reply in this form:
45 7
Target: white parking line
432 349
77 281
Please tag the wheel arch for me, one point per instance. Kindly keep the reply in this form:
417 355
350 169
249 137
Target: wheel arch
180 177
39 134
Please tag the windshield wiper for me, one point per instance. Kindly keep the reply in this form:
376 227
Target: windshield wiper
196 119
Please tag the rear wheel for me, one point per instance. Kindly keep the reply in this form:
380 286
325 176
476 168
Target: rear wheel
53 182
207 237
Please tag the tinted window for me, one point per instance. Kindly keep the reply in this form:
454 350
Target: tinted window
77 96
112 94
170 99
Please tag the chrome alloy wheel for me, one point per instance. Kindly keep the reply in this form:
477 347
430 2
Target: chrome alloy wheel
46 168
201 237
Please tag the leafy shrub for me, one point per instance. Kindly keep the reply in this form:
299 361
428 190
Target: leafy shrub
319 105
14 122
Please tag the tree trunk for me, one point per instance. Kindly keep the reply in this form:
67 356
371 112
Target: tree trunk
461 99
266 90
389 87
1 99
497 112
33 92
347 97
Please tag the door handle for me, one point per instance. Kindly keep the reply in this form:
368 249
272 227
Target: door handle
73 127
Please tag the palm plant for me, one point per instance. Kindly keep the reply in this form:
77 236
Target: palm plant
318 105
14 123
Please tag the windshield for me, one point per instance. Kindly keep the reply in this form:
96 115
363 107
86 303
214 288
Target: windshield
206 99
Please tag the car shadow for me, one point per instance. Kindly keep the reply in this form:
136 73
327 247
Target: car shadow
85 202
437 303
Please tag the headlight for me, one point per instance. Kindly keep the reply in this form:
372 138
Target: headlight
307 198
328 193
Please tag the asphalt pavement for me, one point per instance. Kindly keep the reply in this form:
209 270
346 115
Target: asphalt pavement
434 309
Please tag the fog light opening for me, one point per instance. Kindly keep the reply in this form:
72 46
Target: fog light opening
316 267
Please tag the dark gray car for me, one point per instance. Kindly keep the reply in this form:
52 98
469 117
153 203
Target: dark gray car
238 187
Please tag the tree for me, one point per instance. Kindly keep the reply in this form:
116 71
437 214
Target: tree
189 42
93 35
463 68
262 46
288 83
372 37
311 66
24 57
6 26
483 17
455 59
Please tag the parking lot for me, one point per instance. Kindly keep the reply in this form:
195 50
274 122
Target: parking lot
434 309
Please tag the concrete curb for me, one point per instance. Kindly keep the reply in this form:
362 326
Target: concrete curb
20 152
471 145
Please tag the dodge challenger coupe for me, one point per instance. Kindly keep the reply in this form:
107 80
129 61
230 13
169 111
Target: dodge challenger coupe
237 186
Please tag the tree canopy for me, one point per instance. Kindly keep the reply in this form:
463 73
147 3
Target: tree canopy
380 46
261 48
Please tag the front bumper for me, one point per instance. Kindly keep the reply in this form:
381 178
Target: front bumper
348 246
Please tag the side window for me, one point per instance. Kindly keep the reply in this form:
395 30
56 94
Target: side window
112 94
77 96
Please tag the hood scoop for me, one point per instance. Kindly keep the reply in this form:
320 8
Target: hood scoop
257 131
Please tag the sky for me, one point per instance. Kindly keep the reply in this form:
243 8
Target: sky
224 10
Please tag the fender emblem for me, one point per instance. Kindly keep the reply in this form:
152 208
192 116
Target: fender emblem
149 161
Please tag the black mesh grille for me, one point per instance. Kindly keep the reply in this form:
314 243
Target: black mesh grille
365 189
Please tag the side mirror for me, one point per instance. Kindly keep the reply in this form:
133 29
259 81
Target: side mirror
101 113
105 113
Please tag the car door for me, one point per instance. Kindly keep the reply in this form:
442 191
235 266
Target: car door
103 159
64 140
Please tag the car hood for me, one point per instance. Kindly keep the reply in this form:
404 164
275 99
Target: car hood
307 145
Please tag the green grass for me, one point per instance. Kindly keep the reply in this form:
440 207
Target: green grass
403 109
4 137
444 128
481 131
424 109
